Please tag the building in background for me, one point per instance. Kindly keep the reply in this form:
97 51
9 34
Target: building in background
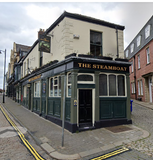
77 63
17 53
140 53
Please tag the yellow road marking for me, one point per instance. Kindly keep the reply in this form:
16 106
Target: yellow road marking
27 144
108 155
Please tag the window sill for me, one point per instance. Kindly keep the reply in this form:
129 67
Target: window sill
147 64
139 68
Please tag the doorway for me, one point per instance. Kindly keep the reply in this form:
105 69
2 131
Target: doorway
85 107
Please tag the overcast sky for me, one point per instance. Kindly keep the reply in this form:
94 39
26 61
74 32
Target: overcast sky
20 22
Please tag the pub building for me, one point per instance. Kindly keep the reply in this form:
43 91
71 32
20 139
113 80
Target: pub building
93 88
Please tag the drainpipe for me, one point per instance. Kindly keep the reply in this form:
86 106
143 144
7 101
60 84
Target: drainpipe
117 42
135 79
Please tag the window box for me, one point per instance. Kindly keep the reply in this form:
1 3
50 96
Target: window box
121 59
70 55
104 57
85 55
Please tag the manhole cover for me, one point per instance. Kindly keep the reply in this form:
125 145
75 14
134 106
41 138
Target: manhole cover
117 129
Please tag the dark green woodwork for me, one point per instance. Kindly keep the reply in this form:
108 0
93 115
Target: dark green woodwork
36 104
68 109
25 102
96 95
86 86
112 108
128 111
73 109
43 97
54 106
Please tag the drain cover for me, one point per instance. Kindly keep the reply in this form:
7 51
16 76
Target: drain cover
117 129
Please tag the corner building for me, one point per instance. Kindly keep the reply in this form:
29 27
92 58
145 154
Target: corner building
77 64
140 53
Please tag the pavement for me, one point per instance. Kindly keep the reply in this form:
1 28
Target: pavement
77 145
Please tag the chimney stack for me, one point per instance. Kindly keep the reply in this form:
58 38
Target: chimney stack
40 32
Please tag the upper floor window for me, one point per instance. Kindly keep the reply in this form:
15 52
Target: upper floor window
127 53
147 31
41 58
132 47
95 43
138 61
148 55
27 65
132 66
24 68
138 41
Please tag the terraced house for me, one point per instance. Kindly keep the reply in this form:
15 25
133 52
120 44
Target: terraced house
140 54
77 64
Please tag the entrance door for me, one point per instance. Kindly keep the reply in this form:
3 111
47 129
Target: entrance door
150 89
85 106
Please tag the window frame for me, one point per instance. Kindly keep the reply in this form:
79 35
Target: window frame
147 31
133 87
132 67
138 41
24 68
139 62
148 55
37 93
68 83
127 53
140 87
116 74
132 48
86 82
96 45
54 85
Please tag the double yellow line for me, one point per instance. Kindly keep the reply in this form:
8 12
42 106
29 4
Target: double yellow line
21 136
111 154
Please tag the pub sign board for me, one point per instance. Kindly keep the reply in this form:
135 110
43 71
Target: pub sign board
101 66
44 44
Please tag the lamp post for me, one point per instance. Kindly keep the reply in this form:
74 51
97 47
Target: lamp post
4 76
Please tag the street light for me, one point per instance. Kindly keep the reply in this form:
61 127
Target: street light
4 76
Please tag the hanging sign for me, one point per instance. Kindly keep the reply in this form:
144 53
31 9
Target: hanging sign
44 44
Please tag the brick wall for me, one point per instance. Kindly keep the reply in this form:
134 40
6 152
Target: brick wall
144 69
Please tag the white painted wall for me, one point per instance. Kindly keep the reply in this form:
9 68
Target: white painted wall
63 43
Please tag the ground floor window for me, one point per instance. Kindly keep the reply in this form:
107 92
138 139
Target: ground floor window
25 91
69 82
55 86
111 85
133 87
140 87
37 89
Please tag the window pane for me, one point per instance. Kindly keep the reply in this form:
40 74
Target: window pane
85 78
95 43
121 86
69 90
55 90
51 87
103 85
69 78
59 85
55 81
112 85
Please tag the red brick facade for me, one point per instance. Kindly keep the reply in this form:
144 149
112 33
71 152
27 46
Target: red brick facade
144 73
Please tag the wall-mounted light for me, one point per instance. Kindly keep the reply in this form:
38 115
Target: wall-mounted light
76 36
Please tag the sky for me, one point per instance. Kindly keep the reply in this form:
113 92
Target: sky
21 21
